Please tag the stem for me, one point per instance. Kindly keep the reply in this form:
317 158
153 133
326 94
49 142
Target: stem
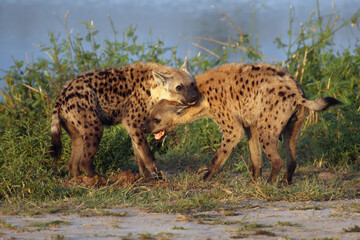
69 44
290 31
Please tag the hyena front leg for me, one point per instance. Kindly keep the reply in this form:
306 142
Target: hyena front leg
143 155
231 136
142 168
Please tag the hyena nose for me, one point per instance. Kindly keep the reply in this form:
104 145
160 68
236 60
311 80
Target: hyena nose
193 98
144 128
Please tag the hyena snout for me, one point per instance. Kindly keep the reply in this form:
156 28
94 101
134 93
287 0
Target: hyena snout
192 97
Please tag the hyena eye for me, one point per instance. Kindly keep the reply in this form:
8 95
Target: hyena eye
178 88
156 120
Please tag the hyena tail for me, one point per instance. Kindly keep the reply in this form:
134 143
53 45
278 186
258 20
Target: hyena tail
319 104
55 132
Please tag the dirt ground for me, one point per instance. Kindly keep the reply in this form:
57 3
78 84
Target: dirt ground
251 220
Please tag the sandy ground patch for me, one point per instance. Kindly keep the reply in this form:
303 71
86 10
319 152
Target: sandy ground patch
250 220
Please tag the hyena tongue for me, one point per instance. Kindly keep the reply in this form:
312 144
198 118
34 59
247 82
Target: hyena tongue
192 103
159 134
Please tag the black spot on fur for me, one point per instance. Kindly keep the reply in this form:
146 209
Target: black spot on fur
271 69
281 74
103 73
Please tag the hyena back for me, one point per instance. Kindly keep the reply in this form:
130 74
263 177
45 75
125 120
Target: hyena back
115 96
260 98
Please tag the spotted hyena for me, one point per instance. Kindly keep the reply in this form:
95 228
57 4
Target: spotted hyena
115 96
260 98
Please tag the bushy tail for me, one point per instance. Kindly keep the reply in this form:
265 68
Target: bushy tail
56 145
319 104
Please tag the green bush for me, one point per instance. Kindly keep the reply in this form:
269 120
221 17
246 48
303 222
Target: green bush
26 170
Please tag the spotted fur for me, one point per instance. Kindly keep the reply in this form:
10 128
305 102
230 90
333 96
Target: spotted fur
115 96
260 98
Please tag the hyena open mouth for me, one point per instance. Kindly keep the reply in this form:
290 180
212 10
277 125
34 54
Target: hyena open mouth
159 135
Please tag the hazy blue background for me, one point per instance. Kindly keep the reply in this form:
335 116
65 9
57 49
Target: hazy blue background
24 23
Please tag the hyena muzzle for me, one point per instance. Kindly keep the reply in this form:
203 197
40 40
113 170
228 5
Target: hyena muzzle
114 96
261 99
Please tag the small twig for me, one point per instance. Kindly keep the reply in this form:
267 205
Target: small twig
228 44
224 189
220 43
303 68
34 89
69 41
40 92
253 179
230 20
27 59
207 50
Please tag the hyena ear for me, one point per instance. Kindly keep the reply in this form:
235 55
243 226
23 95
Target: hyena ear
185 67
161 79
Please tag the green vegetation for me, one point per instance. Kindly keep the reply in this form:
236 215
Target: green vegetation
44 225
4 225
356 228
288 224
31 182
252 229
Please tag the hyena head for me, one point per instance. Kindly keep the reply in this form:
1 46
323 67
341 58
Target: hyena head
179 85
164 117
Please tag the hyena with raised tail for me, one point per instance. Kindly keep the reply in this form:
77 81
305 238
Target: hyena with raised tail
114 96
260 98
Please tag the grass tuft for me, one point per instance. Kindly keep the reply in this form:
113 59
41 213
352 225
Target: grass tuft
355 228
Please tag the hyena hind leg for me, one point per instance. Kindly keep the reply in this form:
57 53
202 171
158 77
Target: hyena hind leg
290 133
76 149
90 146
255 151
269 143
75 156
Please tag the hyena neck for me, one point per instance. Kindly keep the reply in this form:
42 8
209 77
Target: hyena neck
158 93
